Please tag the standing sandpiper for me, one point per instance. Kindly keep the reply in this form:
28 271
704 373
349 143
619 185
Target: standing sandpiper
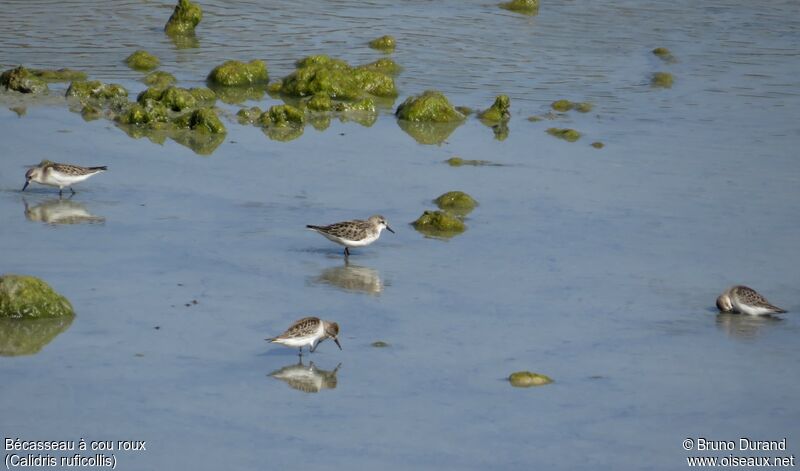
308 332
745 300
355 233
60 175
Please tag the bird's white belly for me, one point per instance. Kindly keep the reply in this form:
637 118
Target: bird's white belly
60 180
351 243
752 310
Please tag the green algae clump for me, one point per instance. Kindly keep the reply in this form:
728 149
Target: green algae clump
320 102
96 90
662 80
598 145
282 115
439 224
526 7
583 107
664 54
239 74
321 74
202 120
456 202
59 75
384 43
562 105
498 112
385 66
150 113
22 80
430 106
567 134
184 18
526 379
142 60
379 344
178 99
30 298
248 115
159 79
203 95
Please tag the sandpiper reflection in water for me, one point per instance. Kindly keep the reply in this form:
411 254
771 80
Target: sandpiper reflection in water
309 379
60 211
353 278
743 326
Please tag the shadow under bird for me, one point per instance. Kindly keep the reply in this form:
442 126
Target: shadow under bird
746 300
355 233
60 175
308 332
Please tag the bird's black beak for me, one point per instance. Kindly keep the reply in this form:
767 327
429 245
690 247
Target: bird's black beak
337 343
26 185
389 229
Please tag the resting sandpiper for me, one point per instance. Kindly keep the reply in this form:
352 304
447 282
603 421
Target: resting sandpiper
308 332
355 233
60 175
745 300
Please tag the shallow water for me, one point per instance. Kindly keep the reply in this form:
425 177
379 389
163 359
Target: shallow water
598 268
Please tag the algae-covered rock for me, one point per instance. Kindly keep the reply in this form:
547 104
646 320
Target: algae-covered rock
662 80
534 119
29 336
384 43
526 379
583 107
379 344
184 18
96 90
90 112
59 75
202 120
147 113
239 74
282 115
664 54
439 224
320 102
498 112
562 105
456 202
142 60
500 131
29 297
430 106
203 95
159 79
385 66
22 80
178 99
567 134
598 145
333 77
248 115
526 7
367 105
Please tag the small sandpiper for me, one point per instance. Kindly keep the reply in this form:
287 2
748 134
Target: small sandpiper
60 175
745 300
355 233
308 332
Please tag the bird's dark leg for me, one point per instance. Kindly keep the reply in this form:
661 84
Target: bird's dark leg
73 191
301 352
60 192
346 252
